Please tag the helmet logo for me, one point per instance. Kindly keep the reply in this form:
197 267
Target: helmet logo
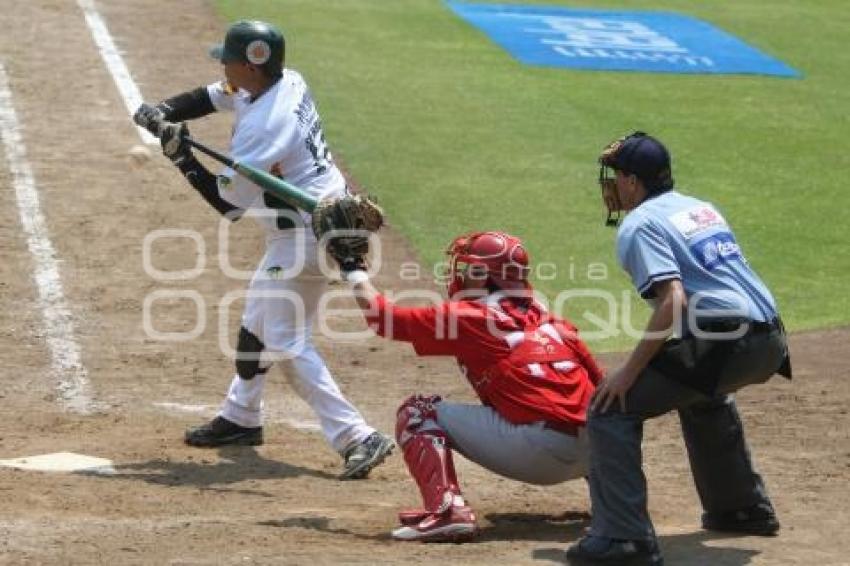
258 52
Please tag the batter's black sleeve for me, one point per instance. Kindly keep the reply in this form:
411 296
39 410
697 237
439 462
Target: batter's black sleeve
205 183
187 105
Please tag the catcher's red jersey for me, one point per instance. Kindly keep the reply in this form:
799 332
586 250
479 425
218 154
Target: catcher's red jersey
524 362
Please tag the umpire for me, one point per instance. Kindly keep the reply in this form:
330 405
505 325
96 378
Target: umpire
714 329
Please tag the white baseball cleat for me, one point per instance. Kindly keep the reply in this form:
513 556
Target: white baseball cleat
458 524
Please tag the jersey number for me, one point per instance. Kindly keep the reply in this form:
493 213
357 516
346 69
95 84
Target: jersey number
318 148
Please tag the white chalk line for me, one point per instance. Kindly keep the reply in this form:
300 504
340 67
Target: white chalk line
115 63
66 364
184 408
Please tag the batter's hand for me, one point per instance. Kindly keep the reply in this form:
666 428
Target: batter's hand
173 140
149 117
613 386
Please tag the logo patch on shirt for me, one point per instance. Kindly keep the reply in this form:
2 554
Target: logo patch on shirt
716 249
543 341
275 272
695 220
223 182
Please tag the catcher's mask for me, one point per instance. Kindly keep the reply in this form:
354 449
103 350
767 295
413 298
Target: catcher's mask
496 257
636 154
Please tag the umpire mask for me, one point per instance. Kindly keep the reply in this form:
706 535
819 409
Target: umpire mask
636 154
608 182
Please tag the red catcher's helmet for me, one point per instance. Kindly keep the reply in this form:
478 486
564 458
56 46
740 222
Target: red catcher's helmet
501 257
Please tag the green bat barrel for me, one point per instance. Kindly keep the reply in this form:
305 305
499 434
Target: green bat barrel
278 187
266 181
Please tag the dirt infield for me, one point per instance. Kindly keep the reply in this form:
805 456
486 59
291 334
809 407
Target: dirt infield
280 503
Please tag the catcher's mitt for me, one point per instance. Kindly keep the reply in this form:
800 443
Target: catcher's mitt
351 212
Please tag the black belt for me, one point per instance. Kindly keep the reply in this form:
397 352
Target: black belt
733 324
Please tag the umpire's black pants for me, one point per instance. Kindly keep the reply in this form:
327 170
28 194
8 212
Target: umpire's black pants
720 461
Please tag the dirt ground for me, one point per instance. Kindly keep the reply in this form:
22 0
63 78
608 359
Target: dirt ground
280 503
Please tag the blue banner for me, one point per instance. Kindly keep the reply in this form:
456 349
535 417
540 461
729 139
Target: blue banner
616 40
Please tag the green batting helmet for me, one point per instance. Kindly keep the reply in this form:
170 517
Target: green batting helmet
258 43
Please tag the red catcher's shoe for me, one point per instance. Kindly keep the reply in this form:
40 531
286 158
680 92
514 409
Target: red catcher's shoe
455 525
408 517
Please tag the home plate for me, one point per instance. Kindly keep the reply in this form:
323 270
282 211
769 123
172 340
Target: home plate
62 462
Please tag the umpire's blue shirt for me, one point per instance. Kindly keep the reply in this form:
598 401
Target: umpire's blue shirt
674 236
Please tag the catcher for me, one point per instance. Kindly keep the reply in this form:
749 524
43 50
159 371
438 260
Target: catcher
533 374
277 129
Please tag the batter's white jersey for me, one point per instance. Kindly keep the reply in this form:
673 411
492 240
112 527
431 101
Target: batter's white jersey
279 132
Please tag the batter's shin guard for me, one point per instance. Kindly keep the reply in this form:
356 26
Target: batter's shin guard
248 351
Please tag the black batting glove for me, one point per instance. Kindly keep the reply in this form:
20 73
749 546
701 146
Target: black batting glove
150 118
172 138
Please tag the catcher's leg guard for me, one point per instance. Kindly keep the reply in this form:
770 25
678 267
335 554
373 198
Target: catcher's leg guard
427 453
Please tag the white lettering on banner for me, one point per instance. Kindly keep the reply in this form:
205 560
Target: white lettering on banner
591 33
635 56
608 39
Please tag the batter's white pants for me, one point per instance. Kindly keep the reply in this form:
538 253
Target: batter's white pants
280 309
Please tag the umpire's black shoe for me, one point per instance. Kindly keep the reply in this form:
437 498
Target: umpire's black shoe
759 520
603 550
221 432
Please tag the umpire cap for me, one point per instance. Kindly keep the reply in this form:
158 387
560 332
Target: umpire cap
255 42
641 155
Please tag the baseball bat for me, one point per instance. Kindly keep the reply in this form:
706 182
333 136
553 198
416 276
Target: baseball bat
266 181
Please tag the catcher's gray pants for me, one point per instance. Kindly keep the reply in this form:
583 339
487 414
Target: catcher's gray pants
527 453
720 461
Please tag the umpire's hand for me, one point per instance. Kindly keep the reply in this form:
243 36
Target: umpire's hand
613 386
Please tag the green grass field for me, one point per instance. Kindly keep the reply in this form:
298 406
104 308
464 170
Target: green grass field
452 134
